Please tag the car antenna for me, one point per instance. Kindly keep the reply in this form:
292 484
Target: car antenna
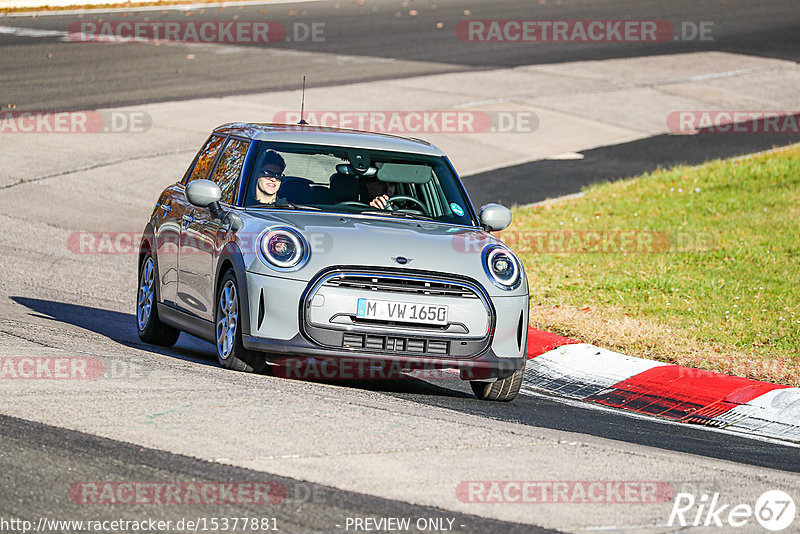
303 103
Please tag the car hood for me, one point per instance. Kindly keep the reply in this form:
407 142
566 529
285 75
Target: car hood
341 239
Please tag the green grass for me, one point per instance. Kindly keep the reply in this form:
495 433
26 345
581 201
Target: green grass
722 276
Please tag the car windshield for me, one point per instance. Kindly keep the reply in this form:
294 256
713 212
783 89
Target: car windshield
347 180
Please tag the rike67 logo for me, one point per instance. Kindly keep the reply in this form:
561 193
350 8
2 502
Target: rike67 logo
774 510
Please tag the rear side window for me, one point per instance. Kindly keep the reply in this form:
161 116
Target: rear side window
229 169
206 158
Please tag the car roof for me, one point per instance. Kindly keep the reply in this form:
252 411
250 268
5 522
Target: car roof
318 135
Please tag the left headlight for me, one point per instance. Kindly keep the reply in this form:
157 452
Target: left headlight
283 249
502 267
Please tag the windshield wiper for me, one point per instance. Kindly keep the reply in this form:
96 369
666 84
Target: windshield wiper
404 214
291 206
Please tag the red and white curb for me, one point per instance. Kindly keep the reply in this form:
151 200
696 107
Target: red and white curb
575 370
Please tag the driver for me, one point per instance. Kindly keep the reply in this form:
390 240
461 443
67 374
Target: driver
270 177
378 191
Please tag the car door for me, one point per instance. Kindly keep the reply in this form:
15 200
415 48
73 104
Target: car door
172 207
199 235
168 235
182 209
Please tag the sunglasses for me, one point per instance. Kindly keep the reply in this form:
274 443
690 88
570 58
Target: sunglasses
271 174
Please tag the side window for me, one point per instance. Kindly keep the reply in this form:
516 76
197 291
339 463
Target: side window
205 159
229 168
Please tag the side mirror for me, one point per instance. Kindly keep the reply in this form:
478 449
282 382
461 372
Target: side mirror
494 217
203 193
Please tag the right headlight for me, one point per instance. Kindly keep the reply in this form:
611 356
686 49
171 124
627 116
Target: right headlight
283 249
502 267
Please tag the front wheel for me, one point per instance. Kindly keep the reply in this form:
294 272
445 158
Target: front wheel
151 329
230 351
503 389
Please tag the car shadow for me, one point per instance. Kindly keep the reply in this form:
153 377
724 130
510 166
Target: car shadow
539 180
120 327
117 326
405 385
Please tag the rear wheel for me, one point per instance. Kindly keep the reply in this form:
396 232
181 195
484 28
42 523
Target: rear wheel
503 389
151 329
230 351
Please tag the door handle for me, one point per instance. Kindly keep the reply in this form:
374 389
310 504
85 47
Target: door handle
166 207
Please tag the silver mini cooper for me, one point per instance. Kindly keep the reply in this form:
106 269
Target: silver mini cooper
328 245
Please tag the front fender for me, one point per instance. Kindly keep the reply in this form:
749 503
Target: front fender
147 243
231 257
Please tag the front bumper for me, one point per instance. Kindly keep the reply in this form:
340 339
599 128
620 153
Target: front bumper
486 337
486 366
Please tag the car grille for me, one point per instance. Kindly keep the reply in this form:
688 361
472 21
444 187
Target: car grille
408 286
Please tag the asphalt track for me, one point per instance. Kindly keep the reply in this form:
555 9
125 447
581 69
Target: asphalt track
370 42
49 460
38 461
43 73
536 411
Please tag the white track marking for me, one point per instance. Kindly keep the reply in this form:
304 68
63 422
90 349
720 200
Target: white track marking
33 32
576 403
775 413
577 371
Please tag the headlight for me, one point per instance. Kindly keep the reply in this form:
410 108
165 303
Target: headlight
502 266
283 248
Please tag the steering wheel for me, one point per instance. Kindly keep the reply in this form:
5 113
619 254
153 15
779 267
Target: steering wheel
353 203
403 198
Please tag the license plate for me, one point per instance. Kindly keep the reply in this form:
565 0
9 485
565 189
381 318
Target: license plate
407 312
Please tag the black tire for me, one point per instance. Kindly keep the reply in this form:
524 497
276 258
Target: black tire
502 389
149 326
230 350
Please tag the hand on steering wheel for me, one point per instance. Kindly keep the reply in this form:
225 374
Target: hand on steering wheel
403 198
381 202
